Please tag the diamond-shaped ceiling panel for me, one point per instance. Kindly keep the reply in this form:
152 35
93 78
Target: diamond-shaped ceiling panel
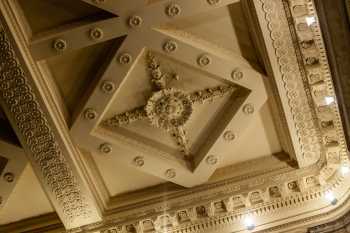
173 100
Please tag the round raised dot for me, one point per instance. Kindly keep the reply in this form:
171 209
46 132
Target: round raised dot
59 45
229 136
125 59
135 21
9 177
170 46
107 87
90 114
212 160
139 161
173 10
105 148
237 75
248 109
204 60
170 173
96 34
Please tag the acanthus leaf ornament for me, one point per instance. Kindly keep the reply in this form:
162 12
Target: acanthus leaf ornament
168 108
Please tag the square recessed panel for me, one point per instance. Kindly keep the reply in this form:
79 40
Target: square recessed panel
171 112
217 132
137 88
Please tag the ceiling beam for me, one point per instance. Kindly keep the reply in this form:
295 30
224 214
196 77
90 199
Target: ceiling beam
56 42
41 129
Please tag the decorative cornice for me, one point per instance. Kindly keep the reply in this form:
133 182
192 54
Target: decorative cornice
19 100
222 205
299 67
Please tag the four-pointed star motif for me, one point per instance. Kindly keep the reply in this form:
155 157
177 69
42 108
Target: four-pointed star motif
168 108
141 24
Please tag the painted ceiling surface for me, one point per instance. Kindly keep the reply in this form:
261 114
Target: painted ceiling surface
160 115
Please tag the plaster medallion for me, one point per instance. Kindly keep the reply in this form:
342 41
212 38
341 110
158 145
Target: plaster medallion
173 10
90 114
107 87
125 59
9 177
237 75
212 160
135 21
139 161
105 148
170 173
170 46
229 136
96 34
168 108
59 45
248 109
204 60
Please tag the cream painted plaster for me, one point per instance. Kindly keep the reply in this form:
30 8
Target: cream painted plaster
27 199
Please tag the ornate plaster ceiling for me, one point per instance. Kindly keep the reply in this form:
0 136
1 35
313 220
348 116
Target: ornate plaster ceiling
125 106
230 118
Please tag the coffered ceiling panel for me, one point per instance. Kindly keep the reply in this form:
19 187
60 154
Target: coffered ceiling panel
203 64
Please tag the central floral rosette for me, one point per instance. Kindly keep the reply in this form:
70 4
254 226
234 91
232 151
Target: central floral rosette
169 108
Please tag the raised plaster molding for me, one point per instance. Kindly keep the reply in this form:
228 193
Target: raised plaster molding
216 212
89 129
45 148
278 19
168 108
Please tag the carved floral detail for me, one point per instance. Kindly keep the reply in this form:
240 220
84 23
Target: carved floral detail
107 87
170 46
59 45
135 21
204 60
96 34
173 10
19 98
168 108
125 59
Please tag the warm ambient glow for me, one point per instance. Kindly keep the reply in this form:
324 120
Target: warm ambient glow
331 198
249 223
310 20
